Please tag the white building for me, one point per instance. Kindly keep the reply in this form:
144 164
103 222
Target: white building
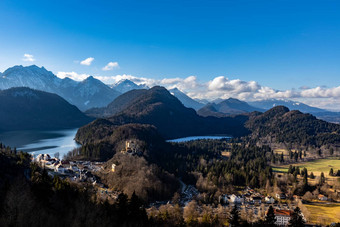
269 200
236 199
282 217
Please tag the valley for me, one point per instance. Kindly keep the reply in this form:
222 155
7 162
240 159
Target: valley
146 144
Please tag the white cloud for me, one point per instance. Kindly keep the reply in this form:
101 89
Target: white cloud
110 66
72 75
28 57
87 61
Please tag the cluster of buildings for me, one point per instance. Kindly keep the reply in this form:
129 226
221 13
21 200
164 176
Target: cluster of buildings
251 200
131 147
80 171
249 196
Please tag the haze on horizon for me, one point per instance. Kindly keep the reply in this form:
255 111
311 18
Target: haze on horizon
249 50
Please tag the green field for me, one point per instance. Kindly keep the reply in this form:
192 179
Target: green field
324 213
315 166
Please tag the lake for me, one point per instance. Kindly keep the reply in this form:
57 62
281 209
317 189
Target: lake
190 138
41 142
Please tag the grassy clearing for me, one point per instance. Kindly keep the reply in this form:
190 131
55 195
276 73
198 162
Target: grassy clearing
324 213
315 166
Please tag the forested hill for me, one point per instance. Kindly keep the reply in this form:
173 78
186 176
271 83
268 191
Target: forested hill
158 107
25 108
281 125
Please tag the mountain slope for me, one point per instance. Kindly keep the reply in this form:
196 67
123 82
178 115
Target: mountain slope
85 95
24 108
281 125
186 100
227 107
117 105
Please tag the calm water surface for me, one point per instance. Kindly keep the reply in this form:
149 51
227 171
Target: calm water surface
41 142
186 139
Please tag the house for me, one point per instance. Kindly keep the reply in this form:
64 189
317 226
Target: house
269 200
322 197
280 196
236 199
282 217
256 200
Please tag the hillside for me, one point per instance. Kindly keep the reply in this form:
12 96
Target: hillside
117 105
158 107
227 107
24 108
281 125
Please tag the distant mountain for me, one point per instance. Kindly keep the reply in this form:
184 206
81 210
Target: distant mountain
158 107
227 107
293 127
333 117
186 100
85 94
25 108
292 105
30 76
127 85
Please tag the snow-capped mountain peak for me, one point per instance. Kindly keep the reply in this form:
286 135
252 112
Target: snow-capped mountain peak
127 85
85 94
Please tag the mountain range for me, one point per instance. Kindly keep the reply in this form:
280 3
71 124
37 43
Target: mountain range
25 108
92 94
86 94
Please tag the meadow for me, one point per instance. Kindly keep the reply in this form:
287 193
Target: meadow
324 213
316 166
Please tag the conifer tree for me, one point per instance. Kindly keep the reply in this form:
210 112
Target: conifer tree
296 220
270 217
234 218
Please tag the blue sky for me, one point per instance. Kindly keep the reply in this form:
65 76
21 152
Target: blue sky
280 44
